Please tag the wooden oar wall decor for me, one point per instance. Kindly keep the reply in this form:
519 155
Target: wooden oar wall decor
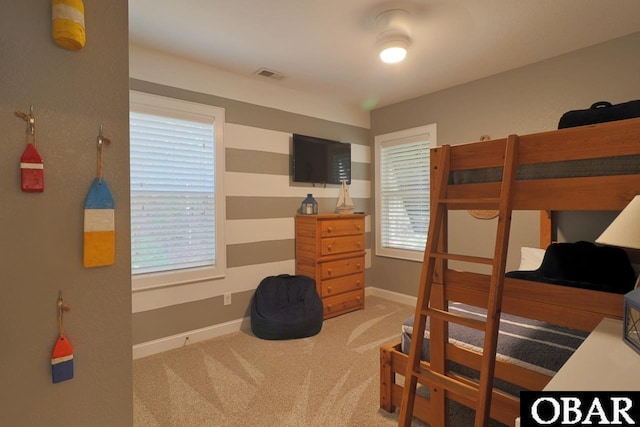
99 218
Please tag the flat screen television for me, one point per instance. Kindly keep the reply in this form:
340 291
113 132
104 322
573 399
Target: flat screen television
321 161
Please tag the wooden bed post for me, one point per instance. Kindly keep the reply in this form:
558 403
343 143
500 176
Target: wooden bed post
387 380
546 231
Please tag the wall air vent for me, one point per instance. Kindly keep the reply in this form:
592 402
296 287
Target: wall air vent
269 74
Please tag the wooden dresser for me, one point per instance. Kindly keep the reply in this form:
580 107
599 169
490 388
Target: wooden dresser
330 249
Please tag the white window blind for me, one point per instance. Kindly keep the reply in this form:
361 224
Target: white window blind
403 194
172 193
341 167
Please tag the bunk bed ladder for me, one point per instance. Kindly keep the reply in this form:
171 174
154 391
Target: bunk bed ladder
479 393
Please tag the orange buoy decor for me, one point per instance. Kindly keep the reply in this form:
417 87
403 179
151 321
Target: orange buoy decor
68 23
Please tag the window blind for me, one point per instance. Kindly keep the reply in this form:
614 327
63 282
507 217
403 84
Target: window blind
172 169
404 182
341 167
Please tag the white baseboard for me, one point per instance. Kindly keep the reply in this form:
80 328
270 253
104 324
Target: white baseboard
180 340
391 296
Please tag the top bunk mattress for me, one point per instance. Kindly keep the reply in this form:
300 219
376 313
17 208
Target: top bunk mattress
605 149
609 166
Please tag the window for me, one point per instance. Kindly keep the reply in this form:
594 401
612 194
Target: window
402 192
177 203
341 164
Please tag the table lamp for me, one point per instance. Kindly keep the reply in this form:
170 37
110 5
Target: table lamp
624 231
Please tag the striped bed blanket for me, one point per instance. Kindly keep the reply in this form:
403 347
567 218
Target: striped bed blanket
535 345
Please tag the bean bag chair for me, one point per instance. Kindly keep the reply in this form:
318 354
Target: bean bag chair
286 307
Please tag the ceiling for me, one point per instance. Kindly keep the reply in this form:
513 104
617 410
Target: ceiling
328 47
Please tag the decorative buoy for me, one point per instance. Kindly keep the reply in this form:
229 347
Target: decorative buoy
99 226
31 170
99 219
31 164
68 23
62 353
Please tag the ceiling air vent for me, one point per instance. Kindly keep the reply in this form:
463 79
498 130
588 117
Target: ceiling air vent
269 74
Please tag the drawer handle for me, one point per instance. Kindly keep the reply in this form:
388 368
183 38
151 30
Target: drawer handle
358 228
329 248
329 230
358 283
329 307
358 267
329 272
329 289
358 244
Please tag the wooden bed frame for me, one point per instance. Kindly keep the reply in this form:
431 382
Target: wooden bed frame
566 306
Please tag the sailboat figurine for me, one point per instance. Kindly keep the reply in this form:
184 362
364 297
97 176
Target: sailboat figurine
345 204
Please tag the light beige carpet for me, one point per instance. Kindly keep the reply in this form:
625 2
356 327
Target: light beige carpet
331 379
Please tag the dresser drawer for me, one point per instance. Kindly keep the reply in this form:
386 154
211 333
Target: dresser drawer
342 267
343 303
342 284
342 227
339 245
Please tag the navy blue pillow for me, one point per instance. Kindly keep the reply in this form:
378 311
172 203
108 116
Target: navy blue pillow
583 265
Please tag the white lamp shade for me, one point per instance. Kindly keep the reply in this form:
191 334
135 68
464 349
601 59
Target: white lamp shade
624 231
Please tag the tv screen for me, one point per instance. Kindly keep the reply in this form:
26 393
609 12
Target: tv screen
320 160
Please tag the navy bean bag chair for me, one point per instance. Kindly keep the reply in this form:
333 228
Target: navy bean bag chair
286 307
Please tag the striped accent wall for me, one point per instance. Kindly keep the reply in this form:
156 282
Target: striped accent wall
261 203
262 200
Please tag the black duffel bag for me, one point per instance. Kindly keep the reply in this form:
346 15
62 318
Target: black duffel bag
600 112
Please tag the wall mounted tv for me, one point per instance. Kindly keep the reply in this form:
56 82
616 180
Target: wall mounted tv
320 161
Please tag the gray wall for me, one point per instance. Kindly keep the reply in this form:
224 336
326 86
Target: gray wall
526 100
42 233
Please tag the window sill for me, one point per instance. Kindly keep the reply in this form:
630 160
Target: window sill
405 255
146 282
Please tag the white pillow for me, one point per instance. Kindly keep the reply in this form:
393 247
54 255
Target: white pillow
530 258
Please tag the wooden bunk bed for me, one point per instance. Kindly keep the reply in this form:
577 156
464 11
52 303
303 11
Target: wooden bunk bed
591 147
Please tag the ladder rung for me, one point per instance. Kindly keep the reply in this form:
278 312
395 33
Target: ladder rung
466 258
492 201
466 390
447 316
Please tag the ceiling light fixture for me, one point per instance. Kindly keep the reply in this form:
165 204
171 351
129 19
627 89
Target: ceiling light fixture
393 35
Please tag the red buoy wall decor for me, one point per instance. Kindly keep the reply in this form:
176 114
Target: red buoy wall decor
31 164
31 170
